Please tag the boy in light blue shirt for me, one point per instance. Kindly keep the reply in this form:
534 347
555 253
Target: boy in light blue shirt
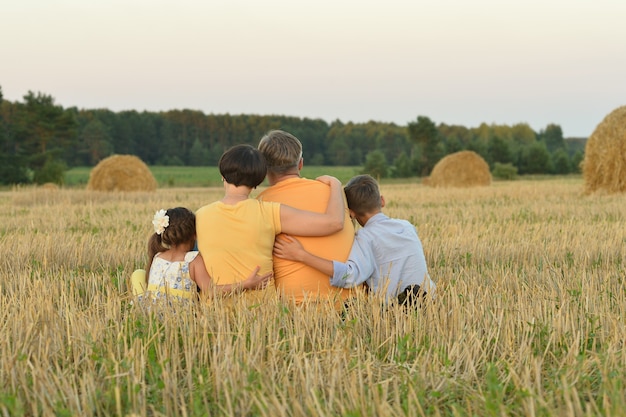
386 254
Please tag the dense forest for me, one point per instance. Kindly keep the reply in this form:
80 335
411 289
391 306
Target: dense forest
40 140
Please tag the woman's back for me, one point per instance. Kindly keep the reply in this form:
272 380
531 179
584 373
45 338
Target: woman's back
234 238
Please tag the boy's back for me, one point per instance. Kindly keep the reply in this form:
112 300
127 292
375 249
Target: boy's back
388 255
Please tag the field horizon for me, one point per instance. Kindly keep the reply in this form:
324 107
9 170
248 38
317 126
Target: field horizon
187 176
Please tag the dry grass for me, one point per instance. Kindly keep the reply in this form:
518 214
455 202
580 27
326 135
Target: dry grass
529 318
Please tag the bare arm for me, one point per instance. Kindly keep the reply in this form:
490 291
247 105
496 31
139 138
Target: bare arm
287 247
198 272
308 223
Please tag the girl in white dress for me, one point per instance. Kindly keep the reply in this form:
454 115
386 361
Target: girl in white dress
175 272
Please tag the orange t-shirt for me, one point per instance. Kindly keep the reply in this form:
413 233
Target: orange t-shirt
294 279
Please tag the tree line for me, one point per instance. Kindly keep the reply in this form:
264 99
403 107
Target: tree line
40 140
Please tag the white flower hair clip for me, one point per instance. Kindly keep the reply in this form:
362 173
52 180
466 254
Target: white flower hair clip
160 221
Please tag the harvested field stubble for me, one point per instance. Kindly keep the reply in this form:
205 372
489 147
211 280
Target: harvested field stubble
528 319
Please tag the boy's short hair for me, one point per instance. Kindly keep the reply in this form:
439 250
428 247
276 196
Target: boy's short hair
243 165
281 150
363 195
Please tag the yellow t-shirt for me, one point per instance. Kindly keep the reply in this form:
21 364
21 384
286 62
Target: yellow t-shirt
294 279
233 239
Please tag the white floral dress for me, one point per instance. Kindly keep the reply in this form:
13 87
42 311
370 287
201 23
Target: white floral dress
171 280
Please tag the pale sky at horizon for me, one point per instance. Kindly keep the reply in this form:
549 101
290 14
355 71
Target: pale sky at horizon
455 61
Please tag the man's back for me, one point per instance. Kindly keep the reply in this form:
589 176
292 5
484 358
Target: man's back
296 280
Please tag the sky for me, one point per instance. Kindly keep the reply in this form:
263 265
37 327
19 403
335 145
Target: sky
459 62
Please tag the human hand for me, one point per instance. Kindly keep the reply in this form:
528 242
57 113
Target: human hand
328 179
256 281
287 247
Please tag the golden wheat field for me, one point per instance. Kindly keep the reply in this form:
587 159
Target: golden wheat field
529 320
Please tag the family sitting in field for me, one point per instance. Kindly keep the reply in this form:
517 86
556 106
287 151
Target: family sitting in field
297 231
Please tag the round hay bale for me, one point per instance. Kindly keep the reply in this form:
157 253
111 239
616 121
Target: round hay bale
604 165
48 186
460 169
121 173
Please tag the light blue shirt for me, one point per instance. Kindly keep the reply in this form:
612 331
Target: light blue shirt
386 254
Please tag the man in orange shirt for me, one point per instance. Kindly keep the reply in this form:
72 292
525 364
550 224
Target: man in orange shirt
295 280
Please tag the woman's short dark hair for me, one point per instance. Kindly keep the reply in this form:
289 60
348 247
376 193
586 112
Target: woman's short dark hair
243 165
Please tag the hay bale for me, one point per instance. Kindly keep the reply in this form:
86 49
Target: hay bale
460 169
604 165
121 173
48 186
